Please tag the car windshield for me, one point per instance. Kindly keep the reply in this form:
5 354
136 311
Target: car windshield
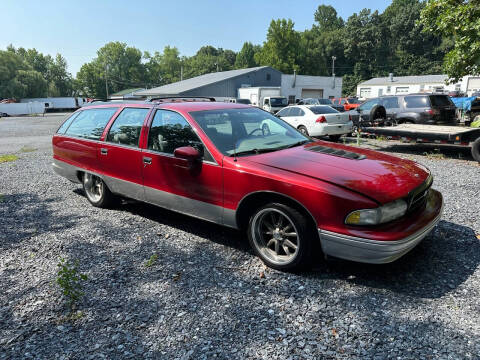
353 101
247 131
322 110
274 101
243 101
325 101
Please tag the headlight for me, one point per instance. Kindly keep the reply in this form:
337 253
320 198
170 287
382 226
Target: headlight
380 215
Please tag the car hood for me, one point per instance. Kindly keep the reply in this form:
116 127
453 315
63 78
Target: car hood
378 176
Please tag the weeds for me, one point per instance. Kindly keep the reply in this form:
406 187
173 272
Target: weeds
8 158
70 281
27 149
150 262
434 155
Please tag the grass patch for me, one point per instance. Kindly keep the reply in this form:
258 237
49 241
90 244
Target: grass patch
435 155
8 158
150 262
27 149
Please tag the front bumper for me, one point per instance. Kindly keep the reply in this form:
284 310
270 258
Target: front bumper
372 251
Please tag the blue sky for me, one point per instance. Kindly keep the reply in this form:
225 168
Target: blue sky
77 29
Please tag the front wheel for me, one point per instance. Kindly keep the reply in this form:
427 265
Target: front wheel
280 236
97 192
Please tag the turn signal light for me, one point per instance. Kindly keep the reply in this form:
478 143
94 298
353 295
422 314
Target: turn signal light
321 119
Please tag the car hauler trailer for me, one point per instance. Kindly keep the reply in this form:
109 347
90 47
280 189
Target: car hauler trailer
455 135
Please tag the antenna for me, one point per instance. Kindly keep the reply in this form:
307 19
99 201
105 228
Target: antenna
234 145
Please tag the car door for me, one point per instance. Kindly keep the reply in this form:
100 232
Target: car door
120 157
173 183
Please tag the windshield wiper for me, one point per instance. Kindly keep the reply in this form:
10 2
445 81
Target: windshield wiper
253 151
296 144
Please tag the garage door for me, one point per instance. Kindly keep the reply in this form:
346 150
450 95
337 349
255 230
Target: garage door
473 83
312 93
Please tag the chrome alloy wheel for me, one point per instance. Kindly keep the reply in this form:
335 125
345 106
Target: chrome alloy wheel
94 187
275 236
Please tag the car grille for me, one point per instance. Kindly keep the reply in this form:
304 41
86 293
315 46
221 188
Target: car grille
337 152
417 198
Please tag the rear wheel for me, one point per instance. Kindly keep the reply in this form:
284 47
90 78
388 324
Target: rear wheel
97 192
303 130
280 236
476 150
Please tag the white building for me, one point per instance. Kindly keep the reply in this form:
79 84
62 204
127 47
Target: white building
306 86
393 85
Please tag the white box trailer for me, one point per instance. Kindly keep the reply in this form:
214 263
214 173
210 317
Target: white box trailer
13 109
58 103
267 97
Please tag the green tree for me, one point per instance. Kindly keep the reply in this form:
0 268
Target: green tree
459 20
117 65
18 79
327 19
281 50
163 68
246 56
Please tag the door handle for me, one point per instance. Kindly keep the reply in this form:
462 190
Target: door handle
147 160
103 151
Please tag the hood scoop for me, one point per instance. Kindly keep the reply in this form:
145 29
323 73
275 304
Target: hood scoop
336 152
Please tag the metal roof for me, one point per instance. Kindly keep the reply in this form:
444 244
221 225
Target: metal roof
198 81
126 91
397 80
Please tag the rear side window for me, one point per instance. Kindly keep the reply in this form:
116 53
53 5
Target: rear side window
127 127
90 123
416 101
323 110
440 100
294 111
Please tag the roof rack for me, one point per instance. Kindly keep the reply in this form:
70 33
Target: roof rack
180 99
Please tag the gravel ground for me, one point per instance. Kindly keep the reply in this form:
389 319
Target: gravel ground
206 295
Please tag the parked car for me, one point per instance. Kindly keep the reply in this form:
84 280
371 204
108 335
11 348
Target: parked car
406 109
348 103
317 120
313 101
289 192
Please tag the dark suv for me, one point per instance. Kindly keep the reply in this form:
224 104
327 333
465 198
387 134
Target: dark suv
408 108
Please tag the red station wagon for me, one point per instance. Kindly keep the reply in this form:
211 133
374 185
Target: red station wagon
213 161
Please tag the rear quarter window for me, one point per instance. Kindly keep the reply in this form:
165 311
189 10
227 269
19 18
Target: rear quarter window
440 100
90 123
416 101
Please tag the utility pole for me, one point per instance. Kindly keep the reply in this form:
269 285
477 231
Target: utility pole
181 73
217 66
106 79
333 70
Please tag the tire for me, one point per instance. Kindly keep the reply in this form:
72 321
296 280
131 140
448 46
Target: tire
280 237
476 150
334 138
303 130
377 113
97 191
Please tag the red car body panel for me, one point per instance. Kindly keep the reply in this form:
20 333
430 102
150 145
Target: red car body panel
328 187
